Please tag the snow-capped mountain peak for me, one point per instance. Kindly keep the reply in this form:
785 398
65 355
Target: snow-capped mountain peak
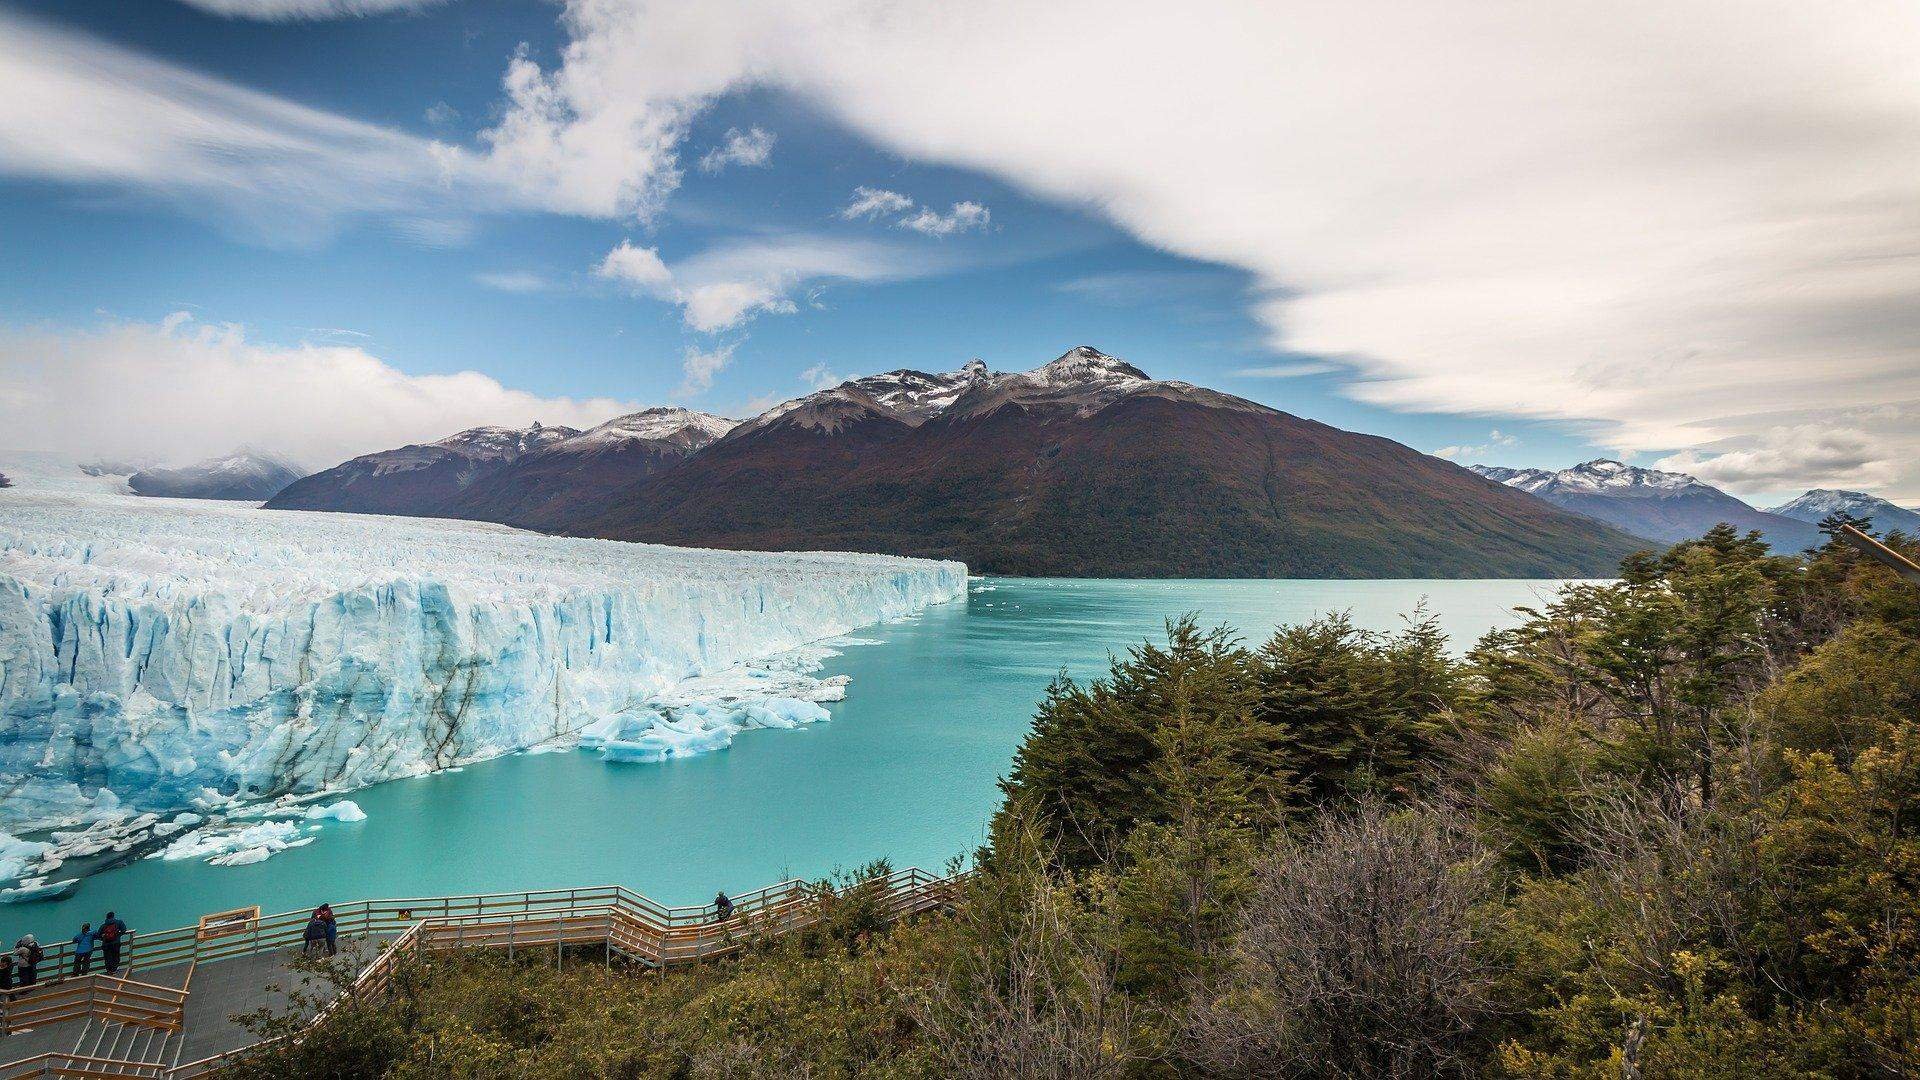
1599 476
504 442
670 423
1821 503
1085 365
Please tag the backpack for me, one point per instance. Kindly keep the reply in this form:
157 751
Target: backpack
109 933
35 954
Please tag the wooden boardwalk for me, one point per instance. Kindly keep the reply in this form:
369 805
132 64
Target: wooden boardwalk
169 1015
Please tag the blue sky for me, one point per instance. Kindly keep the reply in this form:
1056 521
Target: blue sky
499 270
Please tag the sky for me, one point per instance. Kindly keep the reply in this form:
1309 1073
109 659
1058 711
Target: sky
1685 234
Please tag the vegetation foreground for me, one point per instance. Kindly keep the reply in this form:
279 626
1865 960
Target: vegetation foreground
1668 827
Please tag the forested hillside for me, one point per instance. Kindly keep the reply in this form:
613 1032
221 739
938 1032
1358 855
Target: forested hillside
1667 827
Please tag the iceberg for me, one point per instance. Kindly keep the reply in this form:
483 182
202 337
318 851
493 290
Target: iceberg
160 655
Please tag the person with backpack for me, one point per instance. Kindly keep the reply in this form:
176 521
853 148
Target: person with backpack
314 938
723 905
329 925
6 971
83 949
112 931
27 954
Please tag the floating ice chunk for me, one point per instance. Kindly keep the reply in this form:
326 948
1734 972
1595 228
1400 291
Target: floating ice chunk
16 855
344 810
40 889
235 845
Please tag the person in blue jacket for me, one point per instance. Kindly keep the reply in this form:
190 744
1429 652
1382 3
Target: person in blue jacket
83 949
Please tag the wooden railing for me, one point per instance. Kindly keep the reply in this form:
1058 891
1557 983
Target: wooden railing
623 921
101 997
66 1065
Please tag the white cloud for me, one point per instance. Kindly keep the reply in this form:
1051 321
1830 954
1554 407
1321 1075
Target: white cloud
1650 215
513 281
819 377
79 110
961 218
733 282
440 114
637 268
288 10
752 148
1796 458
701 365
180 390
869 203
1496 440
1287 371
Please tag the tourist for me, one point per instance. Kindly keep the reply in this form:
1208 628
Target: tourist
315 937
723 905
26 958
112 930
83 949
6 971
324 913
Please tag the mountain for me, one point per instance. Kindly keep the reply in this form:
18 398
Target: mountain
1662 506
538 490
1818 504
243 474
1087 466
420 479
4 482
520 476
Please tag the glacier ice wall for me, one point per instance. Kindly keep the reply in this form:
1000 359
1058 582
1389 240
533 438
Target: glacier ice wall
171 652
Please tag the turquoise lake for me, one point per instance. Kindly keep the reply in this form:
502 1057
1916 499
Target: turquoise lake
906 770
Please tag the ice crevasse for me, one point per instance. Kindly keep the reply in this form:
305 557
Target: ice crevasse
172 652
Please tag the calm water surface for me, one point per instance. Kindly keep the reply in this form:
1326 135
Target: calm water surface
906 769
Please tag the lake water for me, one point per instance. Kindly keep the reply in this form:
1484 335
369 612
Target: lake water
906 769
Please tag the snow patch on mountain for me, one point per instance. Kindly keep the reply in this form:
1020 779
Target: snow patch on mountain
683 427
1601 476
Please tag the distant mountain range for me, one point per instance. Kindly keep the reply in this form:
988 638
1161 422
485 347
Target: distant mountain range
245 474
1821 503
533 478
1662 506
1084 466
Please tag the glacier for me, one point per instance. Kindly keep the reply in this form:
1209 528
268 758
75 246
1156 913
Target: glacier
165 657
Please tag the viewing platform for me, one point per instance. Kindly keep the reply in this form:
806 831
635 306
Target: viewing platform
168 1014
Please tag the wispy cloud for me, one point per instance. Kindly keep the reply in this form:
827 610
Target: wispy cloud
962 217
732 282
80 110
1287 371
752 148
291 10
1496 440
514 281
820 377
869 203
699 366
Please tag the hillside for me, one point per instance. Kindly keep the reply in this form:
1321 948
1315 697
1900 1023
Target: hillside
1086 466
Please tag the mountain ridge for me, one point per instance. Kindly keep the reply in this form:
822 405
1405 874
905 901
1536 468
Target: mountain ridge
1085 465
1661 506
